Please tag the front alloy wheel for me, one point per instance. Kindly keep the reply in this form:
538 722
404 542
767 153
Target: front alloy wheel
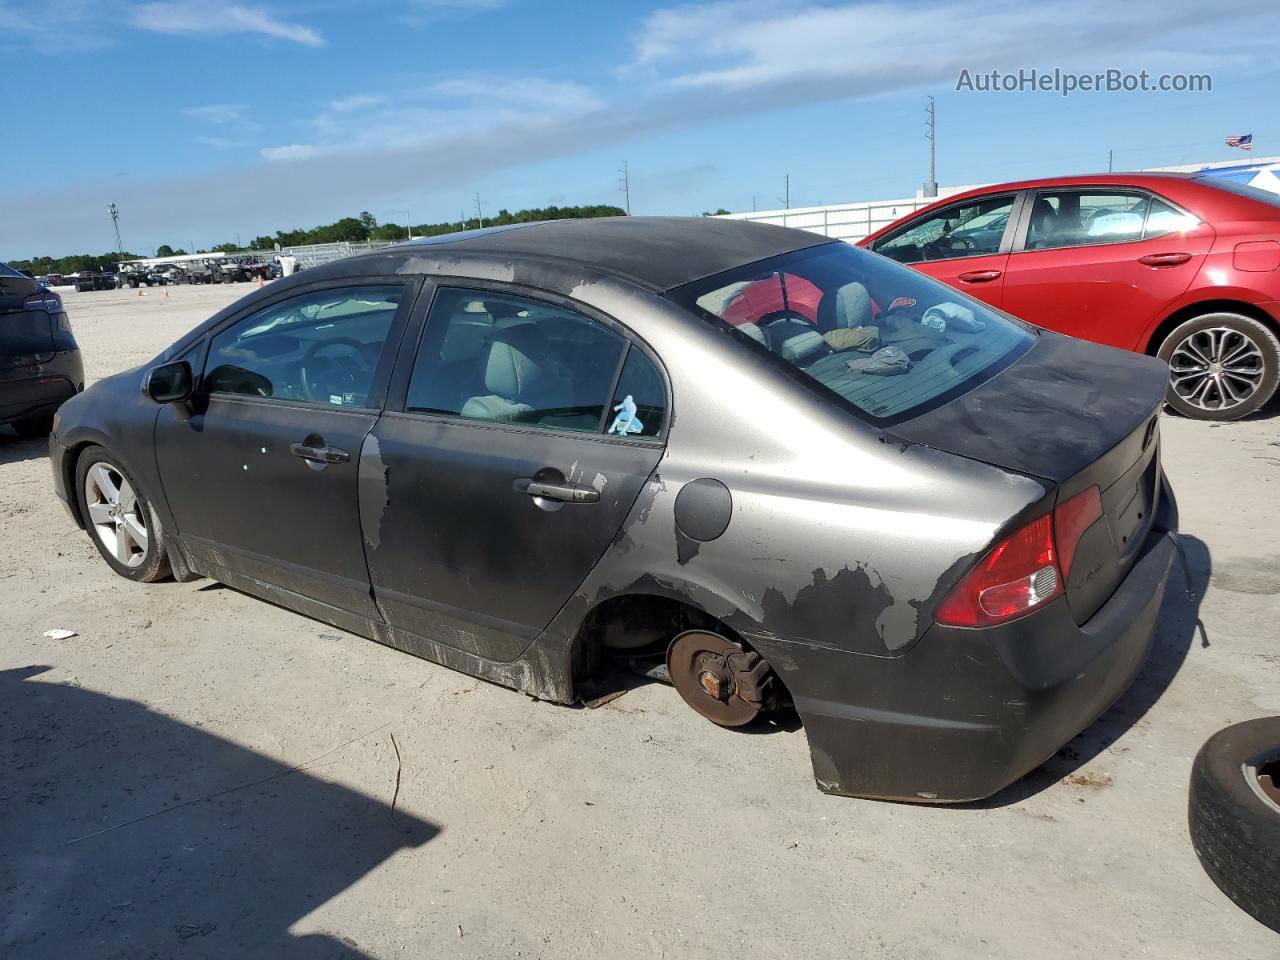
119 519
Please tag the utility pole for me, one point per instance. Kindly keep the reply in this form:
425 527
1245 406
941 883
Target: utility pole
931 127
624 184
463 215
479 212
1110 154
786 192
115 224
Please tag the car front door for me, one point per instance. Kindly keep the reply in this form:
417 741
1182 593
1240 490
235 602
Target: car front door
260 472
526 432
1101 263
965 245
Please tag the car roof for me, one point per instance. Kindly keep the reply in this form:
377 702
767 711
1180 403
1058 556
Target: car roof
656 252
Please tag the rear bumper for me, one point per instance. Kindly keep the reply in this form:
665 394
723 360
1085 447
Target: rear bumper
35 396
964 713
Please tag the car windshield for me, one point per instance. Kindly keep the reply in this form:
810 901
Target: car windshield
884 339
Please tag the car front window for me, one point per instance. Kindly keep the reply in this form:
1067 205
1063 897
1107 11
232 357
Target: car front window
889 342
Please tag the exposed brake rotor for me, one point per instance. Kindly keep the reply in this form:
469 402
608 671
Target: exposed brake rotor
728 685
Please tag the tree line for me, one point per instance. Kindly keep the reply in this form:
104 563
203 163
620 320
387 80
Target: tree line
358 229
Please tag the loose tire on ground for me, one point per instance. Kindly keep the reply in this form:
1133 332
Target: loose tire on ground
1234 821
1222 366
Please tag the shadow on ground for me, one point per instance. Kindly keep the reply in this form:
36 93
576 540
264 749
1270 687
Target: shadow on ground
220 877
15 449
1178 627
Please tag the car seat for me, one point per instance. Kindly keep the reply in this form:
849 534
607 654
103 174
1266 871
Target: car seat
1043 218
518 369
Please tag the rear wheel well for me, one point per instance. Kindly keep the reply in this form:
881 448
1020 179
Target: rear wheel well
1182 315
633 622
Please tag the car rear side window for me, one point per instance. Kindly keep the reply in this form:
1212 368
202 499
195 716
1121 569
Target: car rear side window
503 358
1163 219
321 347
886 340
1077 218
640 398
968 229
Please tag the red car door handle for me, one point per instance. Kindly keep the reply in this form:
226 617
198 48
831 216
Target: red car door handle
979 276
1164 259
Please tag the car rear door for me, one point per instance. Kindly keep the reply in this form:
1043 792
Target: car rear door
517 438
261 472
1101 263
965 244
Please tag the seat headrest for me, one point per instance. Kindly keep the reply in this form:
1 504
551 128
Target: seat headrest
518 359
853 306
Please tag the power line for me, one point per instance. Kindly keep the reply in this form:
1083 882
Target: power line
931 127
624 184
115 223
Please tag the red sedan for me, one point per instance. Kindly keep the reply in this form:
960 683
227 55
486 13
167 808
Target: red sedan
1181 266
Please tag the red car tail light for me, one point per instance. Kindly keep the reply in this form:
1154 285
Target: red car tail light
1070 520
1018 575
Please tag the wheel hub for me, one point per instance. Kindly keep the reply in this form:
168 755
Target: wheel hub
1217 368
728 685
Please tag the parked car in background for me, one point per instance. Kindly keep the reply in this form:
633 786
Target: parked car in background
1185 267
87 280
521 450
40 364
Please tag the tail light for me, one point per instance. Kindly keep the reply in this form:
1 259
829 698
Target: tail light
45 300
1024 571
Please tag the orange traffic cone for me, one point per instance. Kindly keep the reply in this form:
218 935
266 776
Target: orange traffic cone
166 293
141 292
260 283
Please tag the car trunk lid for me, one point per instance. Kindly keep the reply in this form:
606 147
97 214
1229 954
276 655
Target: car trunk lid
1073 414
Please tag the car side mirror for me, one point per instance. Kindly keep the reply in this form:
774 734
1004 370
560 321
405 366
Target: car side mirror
169 382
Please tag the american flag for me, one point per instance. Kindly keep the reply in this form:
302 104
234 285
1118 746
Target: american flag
1244 141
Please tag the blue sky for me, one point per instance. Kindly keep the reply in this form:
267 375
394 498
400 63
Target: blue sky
203 120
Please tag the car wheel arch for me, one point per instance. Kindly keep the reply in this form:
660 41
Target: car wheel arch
640 620
1173 320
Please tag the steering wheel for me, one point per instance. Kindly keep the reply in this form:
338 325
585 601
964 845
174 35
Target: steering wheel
349 371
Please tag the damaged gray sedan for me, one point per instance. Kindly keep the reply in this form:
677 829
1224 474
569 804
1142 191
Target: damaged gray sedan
788 473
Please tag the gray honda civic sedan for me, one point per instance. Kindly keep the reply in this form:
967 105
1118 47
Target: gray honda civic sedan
787 473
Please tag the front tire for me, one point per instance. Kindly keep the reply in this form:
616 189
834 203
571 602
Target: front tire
119 518
1222 366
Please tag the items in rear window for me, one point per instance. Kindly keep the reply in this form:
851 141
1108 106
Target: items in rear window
942 345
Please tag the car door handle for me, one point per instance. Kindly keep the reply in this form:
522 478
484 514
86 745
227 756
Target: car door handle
1164 259
319 454
979 276
565 492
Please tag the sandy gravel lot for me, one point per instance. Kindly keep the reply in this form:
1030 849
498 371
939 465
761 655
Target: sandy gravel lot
520 829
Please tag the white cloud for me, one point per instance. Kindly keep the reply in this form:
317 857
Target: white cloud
438 113
213 19
220 143
217 112
870 47
292 151
359 101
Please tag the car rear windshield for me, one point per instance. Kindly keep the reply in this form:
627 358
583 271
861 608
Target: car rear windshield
882 338
1240 189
